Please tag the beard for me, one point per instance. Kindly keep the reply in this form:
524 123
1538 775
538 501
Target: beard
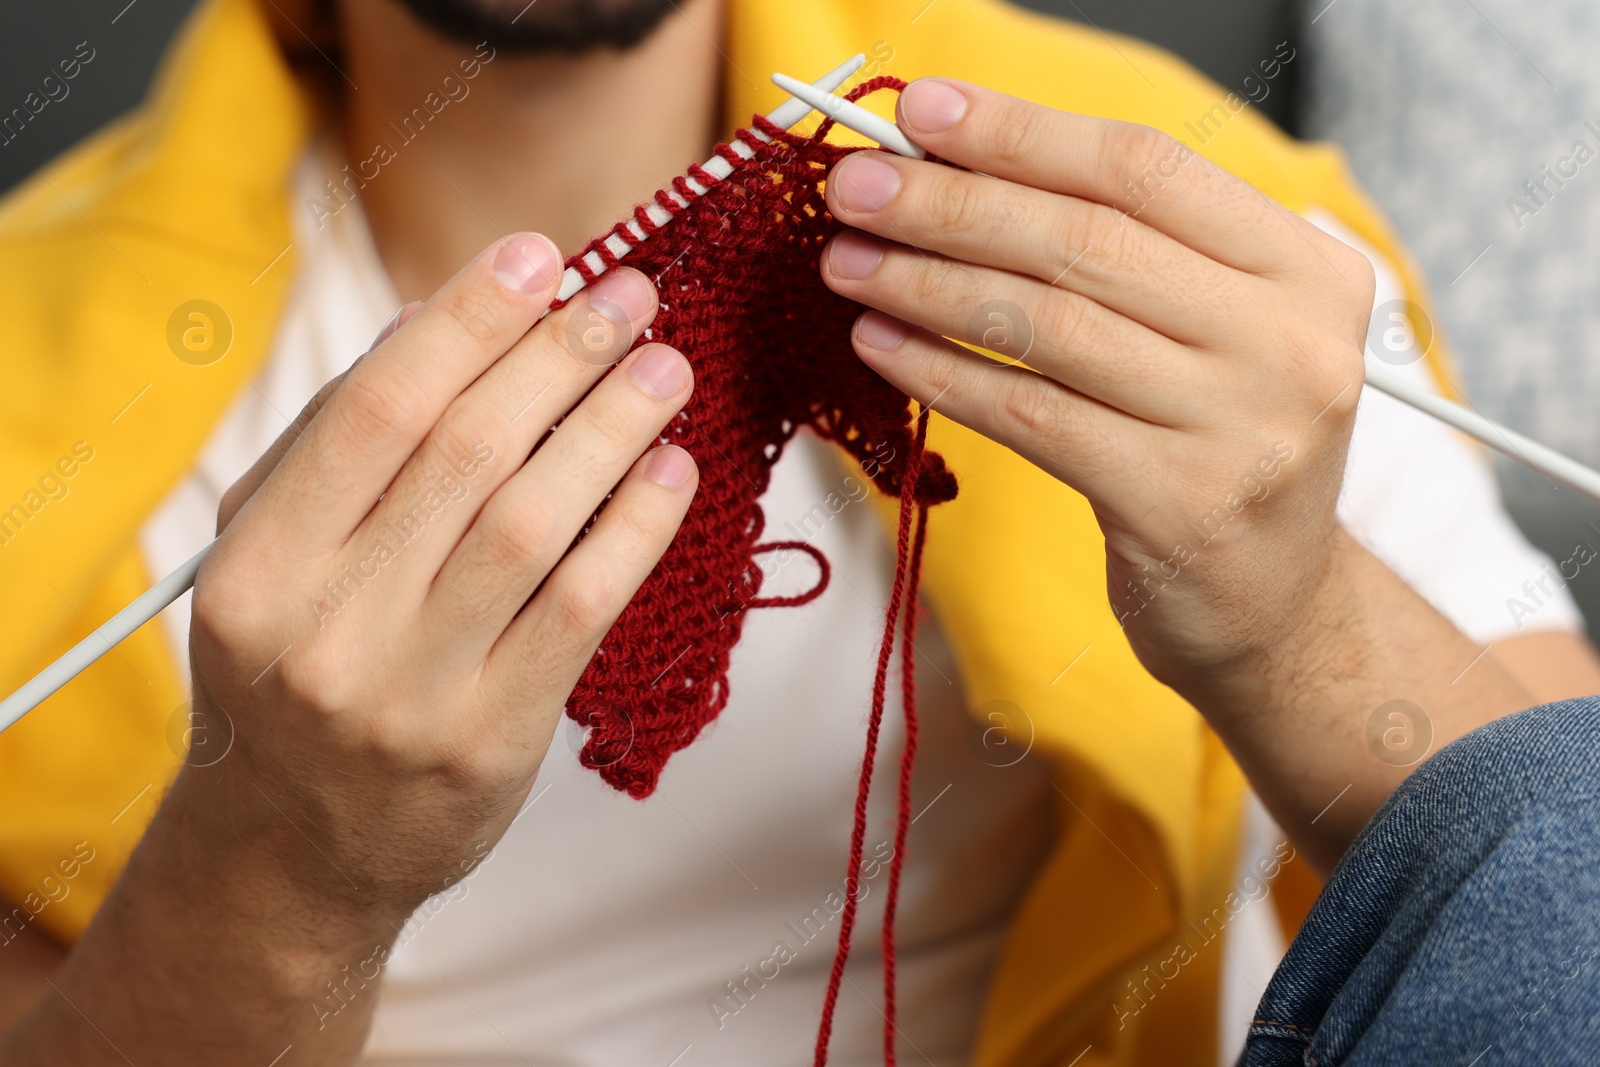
519 27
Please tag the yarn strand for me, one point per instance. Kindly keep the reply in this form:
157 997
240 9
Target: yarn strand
908 758
903 579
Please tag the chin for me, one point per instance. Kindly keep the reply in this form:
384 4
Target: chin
554 26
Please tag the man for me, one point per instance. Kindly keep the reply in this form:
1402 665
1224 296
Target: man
597 928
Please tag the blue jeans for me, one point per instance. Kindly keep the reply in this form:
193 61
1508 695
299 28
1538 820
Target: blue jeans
1463 926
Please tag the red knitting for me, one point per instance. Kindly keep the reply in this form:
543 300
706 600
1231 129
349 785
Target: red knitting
770 345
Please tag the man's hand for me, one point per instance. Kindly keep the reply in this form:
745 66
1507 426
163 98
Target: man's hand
1187 354
392 620
1190 352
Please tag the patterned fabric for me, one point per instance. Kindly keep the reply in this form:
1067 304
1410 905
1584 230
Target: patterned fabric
1477 126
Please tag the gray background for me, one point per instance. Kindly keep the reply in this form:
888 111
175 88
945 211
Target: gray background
1492 91
34 38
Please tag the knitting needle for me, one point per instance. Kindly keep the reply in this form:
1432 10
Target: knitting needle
852 115
786 115
148 605
1507 442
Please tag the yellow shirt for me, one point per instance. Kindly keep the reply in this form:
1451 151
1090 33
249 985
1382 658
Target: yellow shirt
186 200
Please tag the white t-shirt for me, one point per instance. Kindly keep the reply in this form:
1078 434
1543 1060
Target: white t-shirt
694 927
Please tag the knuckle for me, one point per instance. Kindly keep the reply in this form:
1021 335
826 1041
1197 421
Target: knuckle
384 405
317 679
1344 365
223 615
1347 399
476 314
233 501
1342 277
455 442
482 758
1363 277
475 769
954 204
1328 372
639 524
1134 156
1014 136
608 430
1066 320
1112 240
235 599
512 538
1026 405
1133 147
583 611
315 405
952 378
931 283
939 375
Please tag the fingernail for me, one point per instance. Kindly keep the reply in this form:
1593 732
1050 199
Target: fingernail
388 329
930 105
866 182
527 263
878 331
669 466
660 371
853 256
623 296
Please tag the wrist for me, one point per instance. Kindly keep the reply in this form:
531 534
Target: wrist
237 866
1291 636
205 951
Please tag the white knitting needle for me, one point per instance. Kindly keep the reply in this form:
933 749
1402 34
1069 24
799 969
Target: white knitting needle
174 585
852 115
1524 450
786 115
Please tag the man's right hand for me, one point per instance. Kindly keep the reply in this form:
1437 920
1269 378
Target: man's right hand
395 613
392 620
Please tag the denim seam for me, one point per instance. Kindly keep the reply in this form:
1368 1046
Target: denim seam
1302 1035
1286 1026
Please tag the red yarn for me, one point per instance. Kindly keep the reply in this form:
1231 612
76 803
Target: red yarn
742 299
908 560
824 574
908 701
